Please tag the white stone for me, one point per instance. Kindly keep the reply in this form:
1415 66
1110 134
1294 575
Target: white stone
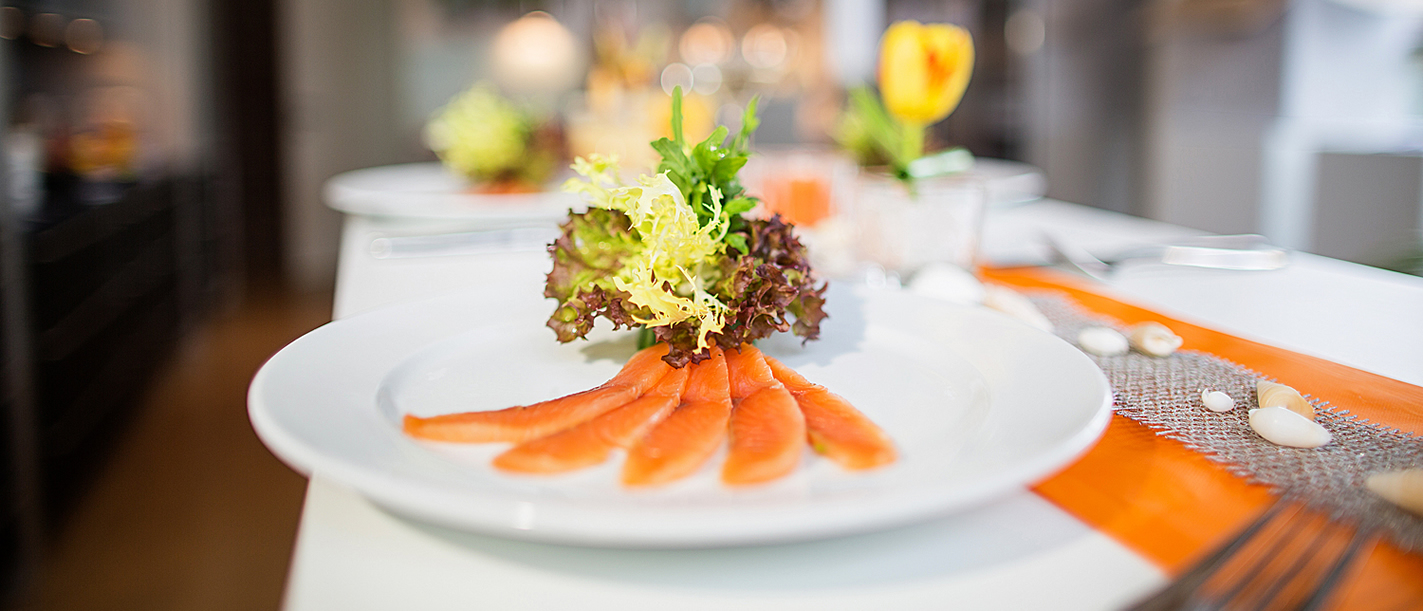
1154 338
948 282
1102 341
1010 302
1403 488
1281 426
1217 401
1273 394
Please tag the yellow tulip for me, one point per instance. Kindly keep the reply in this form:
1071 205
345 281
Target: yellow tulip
923 70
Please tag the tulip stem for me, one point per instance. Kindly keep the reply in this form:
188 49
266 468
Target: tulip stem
913 144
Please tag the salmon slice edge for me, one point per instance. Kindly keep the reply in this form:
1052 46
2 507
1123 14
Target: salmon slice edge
766 437
591 442
521 423
762 406
867 448
705 398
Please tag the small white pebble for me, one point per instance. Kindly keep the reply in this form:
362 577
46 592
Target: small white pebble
1154 338
1102 341
1403 488
1272 394
1217 401
950 283
1012 303
1280 426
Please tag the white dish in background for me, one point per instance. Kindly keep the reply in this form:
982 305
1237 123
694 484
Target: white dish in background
428 190
978 405
1009 183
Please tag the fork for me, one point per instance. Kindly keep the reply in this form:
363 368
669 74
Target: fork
1232 252
1274 563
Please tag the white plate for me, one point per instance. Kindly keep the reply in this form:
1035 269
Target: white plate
978 405
1009 183
427 190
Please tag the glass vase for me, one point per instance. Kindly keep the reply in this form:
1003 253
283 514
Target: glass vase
903 230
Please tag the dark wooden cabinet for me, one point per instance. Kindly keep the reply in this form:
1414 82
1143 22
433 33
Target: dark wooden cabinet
104 308
112 243
95 298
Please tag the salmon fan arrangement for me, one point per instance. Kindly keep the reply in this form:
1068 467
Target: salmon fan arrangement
672 256
671 421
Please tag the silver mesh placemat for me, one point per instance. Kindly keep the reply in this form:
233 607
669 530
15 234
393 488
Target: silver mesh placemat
1164 393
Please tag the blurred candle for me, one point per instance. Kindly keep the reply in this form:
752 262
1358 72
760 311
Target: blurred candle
84 36
536 54
47 29
764 46
12 22
708 41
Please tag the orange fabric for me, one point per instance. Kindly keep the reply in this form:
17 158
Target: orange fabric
1169 503
1148 492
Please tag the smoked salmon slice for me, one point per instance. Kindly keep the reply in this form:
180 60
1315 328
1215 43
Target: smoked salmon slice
767 428
686 438
522 423
836 429
591 442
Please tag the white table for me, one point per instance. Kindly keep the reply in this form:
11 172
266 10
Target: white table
1018 552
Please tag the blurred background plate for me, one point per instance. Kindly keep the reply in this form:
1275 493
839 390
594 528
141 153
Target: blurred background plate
427 190
1009 182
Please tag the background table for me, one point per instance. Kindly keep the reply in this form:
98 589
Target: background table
1016 552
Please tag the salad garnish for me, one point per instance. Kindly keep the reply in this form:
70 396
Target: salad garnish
672 254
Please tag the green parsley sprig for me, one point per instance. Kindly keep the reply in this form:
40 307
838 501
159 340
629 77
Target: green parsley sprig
711 164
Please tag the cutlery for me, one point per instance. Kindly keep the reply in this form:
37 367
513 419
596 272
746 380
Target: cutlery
1288 558
516 239
1232 252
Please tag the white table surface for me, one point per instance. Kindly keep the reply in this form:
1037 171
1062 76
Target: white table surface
1018 552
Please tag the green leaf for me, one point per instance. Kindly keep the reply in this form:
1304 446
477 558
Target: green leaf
673 157
899 143
724 173
677 116
698 206
882 129
739 205
749 123
675 163
715 140
737 225
951 161
737 241
707 153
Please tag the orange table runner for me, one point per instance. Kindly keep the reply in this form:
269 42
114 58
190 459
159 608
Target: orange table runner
1169 503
